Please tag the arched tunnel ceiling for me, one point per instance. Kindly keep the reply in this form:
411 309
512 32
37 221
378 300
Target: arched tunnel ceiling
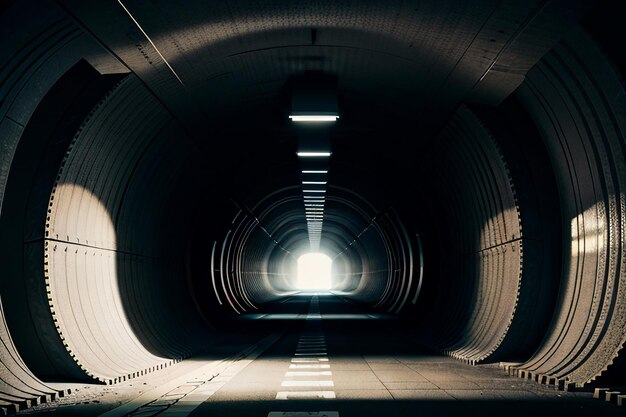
210 59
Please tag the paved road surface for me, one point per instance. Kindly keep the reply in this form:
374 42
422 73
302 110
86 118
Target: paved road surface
321 355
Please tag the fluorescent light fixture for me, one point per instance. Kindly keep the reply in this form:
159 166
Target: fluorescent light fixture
313 117
314 172
313 205
313 191
313 154
314 182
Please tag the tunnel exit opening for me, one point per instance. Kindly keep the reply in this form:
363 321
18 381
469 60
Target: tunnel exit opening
313 273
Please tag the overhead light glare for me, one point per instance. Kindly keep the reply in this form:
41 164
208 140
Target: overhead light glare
313 117
314 182
314 191
314 172
313 154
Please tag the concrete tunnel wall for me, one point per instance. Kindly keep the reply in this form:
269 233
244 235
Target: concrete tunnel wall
525 226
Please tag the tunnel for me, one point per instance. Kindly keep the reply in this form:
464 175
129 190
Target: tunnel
427 191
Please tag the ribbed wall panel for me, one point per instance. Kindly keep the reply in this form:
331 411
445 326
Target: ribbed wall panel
579 106
481 266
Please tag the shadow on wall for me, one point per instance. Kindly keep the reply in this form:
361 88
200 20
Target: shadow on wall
87 292
577 101
107 242
115 240
489 304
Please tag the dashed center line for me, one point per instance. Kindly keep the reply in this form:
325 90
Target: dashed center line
311 353
309 366
309 373
286 395
308 384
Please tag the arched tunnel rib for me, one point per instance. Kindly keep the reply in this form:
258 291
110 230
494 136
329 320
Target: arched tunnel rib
153 205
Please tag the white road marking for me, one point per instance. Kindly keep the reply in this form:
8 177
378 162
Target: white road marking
308 360
315 366
309 373
285 395
308 384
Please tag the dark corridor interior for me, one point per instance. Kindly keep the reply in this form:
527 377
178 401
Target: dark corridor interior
421 199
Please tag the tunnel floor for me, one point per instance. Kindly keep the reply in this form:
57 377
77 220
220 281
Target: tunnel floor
323 355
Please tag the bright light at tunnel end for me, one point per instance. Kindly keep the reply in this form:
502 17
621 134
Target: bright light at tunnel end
314 272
